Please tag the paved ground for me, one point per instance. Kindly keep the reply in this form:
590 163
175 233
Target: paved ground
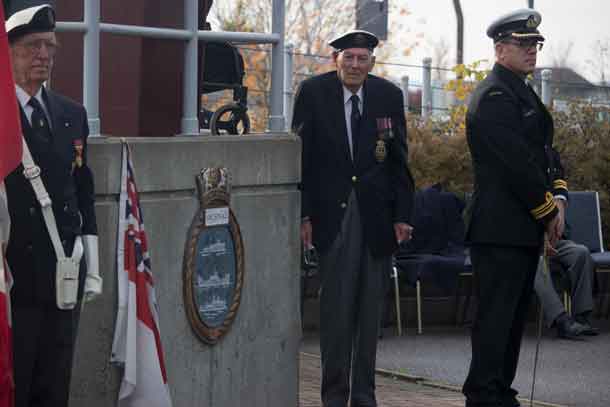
391 391
575 374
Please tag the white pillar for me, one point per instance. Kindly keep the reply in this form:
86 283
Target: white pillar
190 92
547 95
288 78
91 66
276 115
426 98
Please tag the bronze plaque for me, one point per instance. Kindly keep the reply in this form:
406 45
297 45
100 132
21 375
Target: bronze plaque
213 272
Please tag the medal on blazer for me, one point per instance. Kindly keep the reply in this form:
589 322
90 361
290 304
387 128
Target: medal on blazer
380 151
78 150
384 132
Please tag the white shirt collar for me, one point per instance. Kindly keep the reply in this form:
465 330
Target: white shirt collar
348 94
24 97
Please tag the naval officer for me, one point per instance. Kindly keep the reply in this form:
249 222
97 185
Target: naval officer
55 130
356 199
518 199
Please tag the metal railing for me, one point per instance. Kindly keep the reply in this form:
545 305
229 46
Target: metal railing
427 106
92 27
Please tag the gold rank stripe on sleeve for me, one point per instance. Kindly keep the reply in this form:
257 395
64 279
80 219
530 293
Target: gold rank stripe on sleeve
560 184
547 207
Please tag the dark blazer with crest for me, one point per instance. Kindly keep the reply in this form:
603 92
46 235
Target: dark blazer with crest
517 173
384 189
30 253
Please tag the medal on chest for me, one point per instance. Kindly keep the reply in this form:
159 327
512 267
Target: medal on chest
380 151
78 153
384 133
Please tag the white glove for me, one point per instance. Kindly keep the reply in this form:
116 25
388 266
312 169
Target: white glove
93 281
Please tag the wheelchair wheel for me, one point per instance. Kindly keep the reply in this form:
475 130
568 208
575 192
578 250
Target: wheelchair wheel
230 119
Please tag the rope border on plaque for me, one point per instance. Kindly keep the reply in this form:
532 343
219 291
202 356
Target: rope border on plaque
213 185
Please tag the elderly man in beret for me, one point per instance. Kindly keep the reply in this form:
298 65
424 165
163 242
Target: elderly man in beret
55 131
518 203
356 199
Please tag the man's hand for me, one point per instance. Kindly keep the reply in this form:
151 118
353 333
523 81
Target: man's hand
93 286
561 223
93 280
551 229
549 250
306 234
403 232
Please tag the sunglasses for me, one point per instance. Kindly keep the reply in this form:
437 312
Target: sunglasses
526 43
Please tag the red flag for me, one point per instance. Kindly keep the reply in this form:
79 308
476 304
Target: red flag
7 384
10 157
137 339
10 126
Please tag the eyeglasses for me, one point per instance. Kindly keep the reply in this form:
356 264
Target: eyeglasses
526 44
361 59
35 46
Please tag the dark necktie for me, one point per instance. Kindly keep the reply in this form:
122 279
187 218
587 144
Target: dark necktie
40 124
355 124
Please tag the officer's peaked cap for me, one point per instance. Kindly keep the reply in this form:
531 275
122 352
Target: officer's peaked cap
30 20
522 23
355 39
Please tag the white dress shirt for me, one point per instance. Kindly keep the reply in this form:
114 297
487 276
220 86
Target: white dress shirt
24 98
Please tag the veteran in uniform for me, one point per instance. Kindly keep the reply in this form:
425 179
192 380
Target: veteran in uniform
517 198
356 199
55 130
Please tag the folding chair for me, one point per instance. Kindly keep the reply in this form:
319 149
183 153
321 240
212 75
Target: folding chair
584 218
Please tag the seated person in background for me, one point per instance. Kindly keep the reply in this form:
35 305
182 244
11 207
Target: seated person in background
577 266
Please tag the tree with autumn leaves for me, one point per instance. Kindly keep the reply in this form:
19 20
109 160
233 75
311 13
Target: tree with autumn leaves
309 27
438 152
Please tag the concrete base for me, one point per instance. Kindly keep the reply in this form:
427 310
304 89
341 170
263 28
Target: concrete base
256 363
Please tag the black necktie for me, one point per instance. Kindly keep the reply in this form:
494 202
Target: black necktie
40 124
355 123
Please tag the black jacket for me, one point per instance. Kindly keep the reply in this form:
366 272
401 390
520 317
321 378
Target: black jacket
517 173
30 253
384 189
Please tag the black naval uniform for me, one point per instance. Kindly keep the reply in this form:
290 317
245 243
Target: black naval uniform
44 336
352 205
510 134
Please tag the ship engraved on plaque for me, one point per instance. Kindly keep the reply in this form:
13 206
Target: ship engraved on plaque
215 271
213 261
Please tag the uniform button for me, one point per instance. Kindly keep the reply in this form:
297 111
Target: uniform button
29 247
343 205
64 242
32 211
354 178
66 208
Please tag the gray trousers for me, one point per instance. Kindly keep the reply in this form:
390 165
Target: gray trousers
577 266
351 292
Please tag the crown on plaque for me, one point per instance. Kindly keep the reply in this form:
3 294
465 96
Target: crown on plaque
214 184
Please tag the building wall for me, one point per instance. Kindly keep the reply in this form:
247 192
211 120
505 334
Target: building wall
256 363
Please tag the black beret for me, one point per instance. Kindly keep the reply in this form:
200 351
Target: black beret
355 39
30 20
522 23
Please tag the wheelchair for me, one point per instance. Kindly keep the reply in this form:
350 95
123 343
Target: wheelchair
223 68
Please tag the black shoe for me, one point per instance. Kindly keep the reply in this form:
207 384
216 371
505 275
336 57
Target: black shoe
510 398
588 329
567 328
512 402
